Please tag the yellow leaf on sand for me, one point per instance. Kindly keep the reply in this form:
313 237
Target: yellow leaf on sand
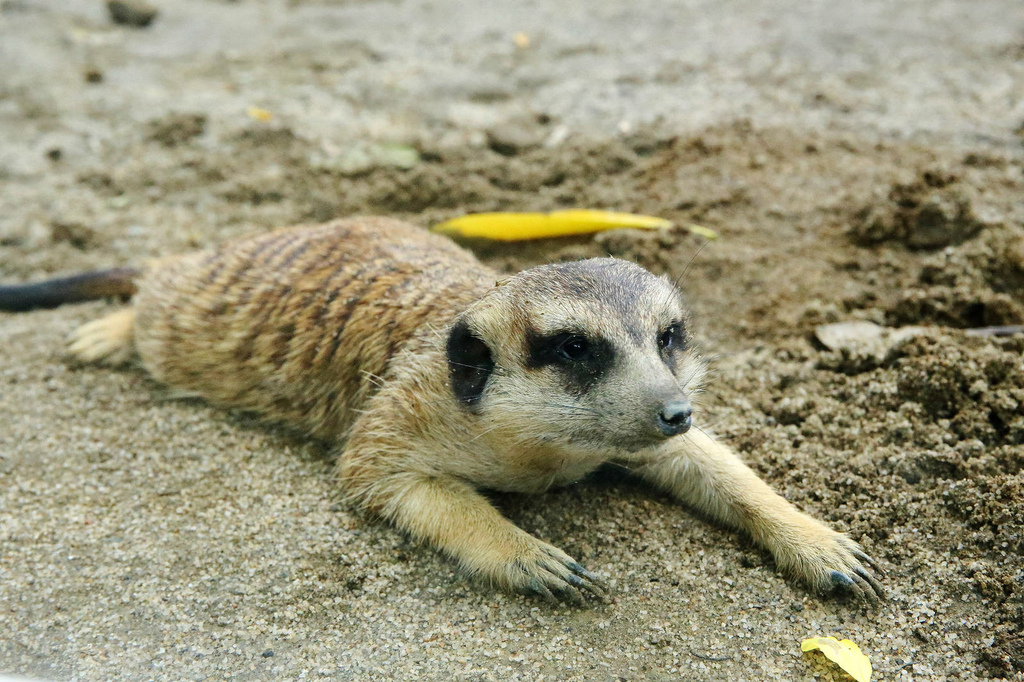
843 653
261 115
512 227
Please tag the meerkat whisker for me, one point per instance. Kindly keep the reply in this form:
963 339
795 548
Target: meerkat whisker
693 259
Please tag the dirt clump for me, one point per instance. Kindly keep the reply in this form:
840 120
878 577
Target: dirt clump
931 212
176 129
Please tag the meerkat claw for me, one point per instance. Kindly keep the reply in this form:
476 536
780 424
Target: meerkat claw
575 585
551 589
844 582
570 594
589 582
576 581
582 572
874 565
876 587
862 584
849 575
841 579
538 589
864 589
560 579
583 579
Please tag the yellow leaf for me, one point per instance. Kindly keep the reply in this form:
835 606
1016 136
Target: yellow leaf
261 115
512 227
705 232
843 653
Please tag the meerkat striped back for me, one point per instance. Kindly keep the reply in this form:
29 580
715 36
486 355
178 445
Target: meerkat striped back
300 325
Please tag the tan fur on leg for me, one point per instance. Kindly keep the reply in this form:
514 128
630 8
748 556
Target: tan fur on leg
450 515
712 479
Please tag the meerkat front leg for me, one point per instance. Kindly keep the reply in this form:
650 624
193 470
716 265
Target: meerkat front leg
712 479
451 515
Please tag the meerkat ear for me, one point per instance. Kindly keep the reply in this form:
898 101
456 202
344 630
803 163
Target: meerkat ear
470 364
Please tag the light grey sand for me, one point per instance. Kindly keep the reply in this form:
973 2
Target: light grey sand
145 538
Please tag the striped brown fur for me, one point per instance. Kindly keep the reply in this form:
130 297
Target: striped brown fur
278 323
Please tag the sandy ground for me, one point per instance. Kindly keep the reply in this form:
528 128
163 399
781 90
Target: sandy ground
860 162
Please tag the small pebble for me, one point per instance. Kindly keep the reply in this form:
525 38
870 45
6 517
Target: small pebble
513 138
135 13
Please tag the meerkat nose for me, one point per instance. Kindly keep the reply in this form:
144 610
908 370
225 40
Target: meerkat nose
674 417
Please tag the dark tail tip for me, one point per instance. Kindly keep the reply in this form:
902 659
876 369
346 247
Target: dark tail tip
88 286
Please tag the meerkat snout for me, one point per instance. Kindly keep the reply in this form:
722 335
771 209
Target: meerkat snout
666 402
675 417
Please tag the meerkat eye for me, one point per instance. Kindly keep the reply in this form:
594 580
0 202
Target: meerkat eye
671 338
574 348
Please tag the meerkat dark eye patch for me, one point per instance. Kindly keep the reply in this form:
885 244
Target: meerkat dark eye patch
581 361
671 341
470 364
575 348
672 338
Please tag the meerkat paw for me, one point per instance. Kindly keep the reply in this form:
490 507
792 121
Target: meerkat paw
451 515
107 340
829 561
539 569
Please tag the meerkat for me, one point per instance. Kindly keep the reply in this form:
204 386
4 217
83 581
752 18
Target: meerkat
436 377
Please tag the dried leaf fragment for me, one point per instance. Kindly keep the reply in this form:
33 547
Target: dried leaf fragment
844 653
511 227
702 231
258 114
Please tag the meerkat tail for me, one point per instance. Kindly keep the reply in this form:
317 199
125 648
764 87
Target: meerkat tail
51 293
110 339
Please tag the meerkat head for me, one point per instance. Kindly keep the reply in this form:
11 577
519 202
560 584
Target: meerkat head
592 357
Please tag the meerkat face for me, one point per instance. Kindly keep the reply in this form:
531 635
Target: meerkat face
591 357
